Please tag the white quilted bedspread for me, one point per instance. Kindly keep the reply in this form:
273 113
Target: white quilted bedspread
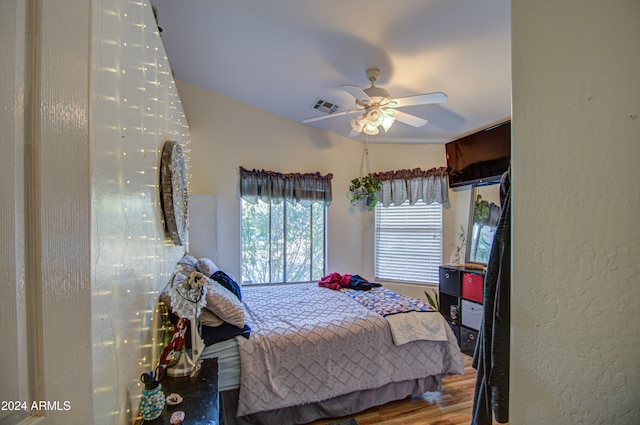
310 343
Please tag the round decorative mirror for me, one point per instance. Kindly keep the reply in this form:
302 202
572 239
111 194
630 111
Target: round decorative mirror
174 196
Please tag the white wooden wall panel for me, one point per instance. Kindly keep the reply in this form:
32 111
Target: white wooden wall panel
202 226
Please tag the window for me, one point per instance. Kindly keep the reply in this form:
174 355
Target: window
282 243
408 242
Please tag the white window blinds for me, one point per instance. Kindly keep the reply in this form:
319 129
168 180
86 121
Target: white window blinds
408 242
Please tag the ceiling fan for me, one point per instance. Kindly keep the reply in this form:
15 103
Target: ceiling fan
378 109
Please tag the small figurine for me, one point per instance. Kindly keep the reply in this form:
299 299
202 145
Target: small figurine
174 399
177 418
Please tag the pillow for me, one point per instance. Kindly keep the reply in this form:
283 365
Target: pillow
178 278
188 262
207 317
224 304
206 267
225 280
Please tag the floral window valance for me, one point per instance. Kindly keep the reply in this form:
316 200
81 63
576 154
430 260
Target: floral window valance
295 188
414 185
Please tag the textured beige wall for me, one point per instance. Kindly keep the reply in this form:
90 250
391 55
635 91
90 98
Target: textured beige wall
576 149
15 365
227 134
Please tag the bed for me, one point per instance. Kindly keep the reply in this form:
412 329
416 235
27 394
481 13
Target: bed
315 352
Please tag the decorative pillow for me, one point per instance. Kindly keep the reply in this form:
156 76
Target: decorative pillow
225 280
206 267
224 304
206 316
188 262
178 278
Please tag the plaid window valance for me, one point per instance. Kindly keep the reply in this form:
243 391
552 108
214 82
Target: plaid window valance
413 185
295 188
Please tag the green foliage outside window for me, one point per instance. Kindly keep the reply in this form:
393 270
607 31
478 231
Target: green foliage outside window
282 243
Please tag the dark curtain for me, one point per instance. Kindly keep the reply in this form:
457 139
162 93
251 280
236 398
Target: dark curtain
491 357
295 188
429 186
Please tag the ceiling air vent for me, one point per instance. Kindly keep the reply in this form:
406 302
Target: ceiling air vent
324 106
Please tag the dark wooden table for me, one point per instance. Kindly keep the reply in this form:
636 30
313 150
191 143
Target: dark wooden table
200 396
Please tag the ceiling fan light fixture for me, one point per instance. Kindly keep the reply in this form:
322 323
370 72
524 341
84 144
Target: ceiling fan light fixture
388 118
371 119
374 116
371 129
358 123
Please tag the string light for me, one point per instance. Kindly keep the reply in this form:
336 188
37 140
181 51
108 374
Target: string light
141 94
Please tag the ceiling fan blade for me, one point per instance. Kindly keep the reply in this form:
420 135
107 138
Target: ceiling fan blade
353 133
412 120
358 93
335 114
420 99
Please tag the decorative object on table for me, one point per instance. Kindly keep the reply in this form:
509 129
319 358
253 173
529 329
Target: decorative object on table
152 400
183 367
455 254
175 345
475 266
177 418
366 186
187 300
174 399
174 196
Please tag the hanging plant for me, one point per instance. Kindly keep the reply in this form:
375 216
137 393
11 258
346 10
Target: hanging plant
366 187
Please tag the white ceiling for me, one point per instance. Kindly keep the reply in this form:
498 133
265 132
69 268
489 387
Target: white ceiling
282 55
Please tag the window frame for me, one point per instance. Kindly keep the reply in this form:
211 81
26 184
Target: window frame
312 231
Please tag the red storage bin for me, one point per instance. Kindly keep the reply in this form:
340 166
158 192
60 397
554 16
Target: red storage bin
472 287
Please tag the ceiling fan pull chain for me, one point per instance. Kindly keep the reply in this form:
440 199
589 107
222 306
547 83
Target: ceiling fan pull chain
366 148
364 153
365 157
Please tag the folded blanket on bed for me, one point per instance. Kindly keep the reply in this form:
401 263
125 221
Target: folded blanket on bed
410 319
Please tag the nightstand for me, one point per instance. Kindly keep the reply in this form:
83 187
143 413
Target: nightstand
200 396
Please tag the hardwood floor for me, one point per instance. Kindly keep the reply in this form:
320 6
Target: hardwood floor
451 406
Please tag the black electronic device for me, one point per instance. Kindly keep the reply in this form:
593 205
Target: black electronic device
480 158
